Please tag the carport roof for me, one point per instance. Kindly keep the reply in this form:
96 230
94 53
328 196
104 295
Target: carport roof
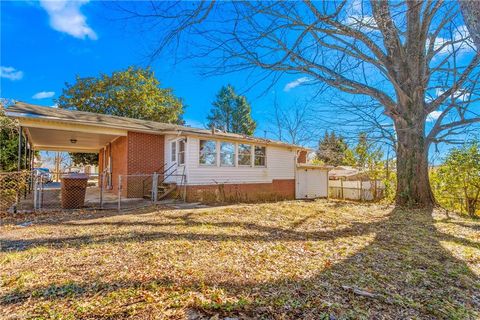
24 110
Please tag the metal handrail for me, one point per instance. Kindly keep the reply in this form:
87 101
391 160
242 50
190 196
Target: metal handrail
144 180
162 173
159 169
169 175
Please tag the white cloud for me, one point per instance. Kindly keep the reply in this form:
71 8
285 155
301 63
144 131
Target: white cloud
43 95
434 115
358 18
295 83
54 106
461 95
10 73
361 21
461 34
65 16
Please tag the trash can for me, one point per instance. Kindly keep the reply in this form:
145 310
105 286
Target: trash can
73 190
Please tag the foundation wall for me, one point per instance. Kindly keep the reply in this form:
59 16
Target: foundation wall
248 192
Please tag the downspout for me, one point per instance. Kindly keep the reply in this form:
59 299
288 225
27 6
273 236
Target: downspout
111 163
295 172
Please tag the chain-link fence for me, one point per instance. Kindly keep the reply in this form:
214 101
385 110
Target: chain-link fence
32 191
142 190
15 187
68 191
22 192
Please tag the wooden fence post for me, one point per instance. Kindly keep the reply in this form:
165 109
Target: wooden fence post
361 191
341 186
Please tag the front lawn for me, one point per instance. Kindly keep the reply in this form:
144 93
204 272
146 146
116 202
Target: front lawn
286 260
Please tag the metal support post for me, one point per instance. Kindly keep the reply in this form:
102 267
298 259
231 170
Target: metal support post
119 192
154 187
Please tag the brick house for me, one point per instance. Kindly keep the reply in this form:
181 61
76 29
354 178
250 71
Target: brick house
241 168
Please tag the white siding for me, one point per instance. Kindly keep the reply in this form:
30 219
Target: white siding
280 165
168 159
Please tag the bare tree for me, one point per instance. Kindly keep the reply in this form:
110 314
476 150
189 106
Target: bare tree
413 58
293 123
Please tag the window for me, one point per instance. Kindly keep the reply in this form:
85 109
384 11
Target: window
244 155
181 152
227 154
260 156
173 150
208 152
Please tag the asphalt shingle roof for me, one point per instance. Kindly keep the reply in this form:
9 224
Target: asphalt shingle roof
25 110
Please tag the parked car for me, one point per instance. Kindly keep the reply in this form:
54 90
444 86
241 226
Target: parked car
45 173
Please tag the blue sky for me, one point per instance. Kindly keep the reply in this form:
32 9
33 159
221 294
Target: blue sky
43 46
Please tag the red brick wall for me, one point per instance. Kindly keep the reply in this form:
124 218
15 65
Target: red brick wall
137 153
302 157
119 159
145 152
145 156
248 192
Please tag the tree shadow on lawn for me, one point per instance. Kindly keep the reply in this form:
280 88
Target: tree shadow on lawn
64 216
404 272
68 217
472 226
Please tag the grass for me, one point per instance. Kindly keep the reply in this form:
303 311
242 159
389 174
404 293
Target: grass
285 260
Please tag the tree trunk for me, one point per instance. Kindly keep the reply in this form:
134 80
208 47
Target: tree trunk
471 206
413 183
471 16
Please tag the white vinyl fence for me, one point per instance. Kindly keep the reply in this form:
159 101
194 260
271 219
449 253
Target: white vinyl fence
356 190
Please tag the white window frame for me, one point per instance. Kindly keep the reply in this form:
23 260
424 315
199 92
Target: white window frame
216 153
264 157
234 154
251 155
179 153
173 151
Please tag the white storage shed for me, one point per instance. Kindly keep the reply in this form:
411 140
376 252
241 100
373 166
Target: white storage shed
311 181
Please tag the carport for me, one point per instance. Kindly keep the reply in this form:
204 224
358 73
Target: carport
48 132
118 141
45 129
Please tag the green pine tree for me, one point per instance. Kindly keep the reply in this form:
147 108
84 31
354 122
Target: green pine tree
332 149
231 112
